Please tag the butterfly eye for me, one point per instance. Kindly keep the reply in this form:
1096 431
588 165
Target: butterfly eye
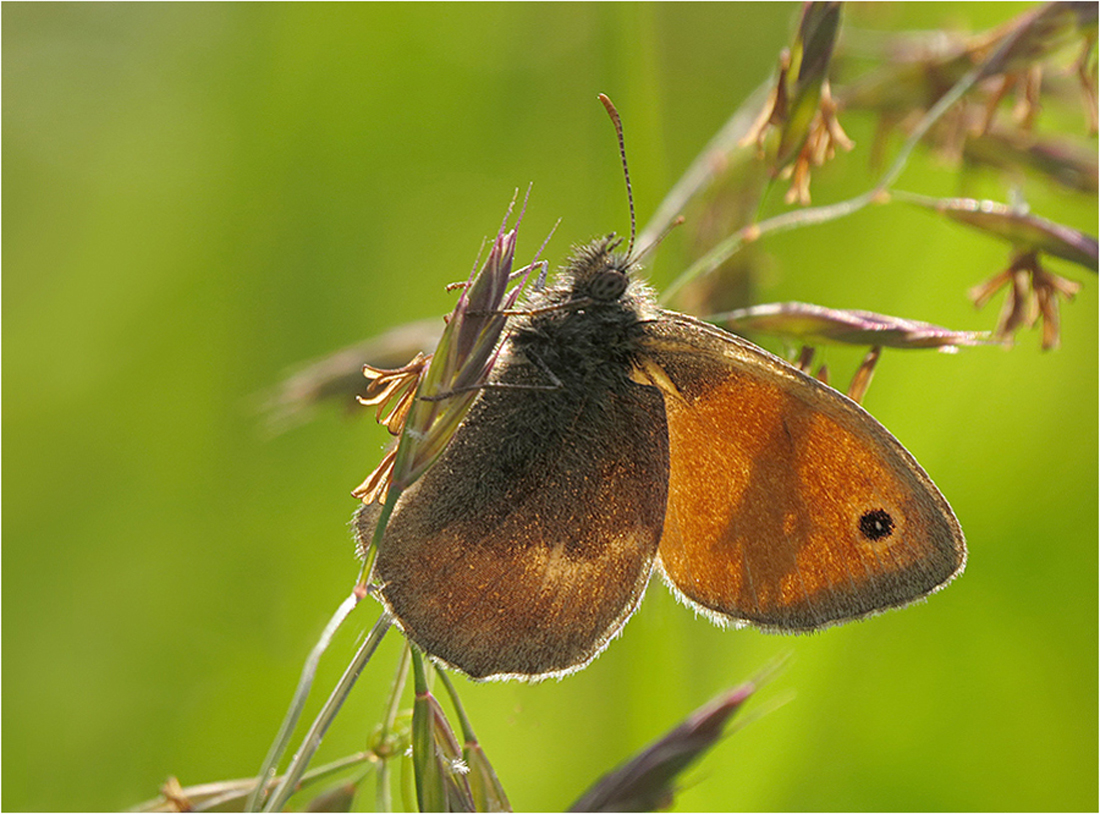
607 285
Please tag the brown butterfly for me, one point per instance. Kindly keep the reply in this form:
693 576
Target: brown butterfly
615 438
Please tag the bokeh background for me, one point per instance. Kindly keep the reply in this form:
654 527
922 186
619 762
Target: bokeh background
199 196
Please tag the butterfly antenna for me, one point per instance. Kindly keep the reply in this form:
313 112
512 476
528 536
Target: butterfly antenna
614 114
657 241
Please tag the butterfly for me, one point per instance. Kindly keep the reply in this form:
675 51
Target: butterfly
762 496
615 439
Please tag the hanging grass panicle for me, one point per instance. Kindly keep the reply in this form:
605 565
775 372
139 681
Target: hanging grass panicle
800 107
1032 296
1019 57
811 325
814 324
1033 291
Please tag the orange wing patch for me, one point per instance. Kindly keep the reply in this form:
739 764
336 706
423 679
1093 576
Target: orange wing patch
789 506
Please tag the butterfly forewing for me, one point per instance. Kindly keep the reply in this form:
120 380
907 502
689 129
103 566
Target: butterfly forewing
789 506
530 542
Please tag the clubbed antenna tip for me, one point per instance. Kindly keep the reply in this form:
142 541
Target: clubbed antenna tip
614 114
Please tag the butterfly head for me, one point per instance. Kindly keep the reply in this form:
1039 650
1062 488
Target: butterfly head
599 273
586 327
598 279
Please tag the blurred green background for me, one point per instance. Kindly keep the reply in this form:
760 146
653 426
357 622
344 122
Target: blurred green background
198 197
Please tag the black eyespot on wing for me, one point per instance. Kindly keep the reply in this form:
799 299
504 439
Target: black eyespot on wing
876 524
